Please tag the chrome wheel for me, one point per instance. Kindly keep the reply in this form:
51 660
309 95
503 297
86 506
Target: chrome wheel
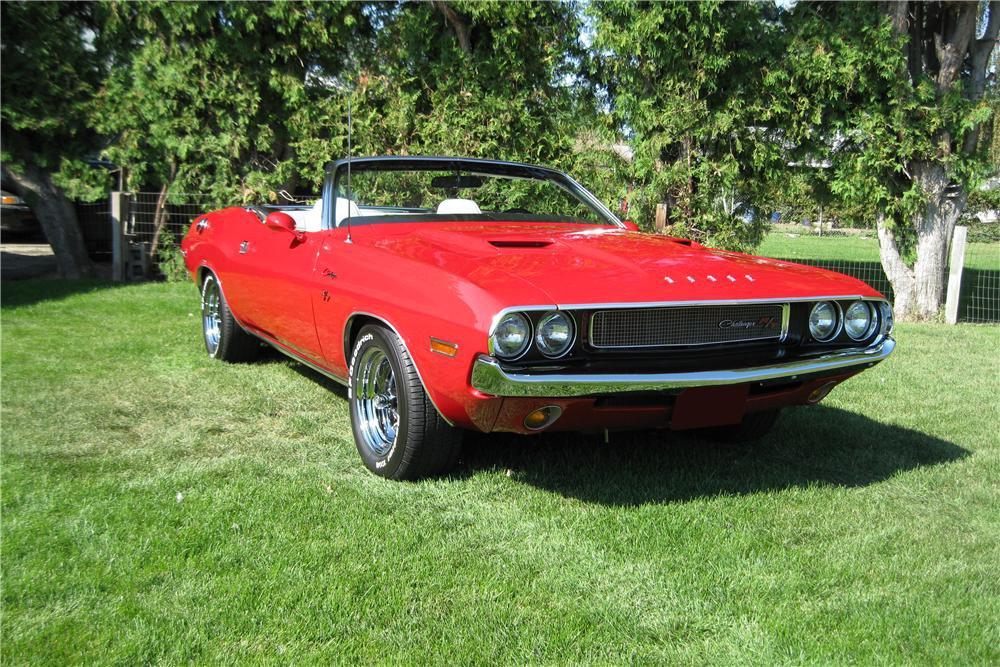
375 398
211 314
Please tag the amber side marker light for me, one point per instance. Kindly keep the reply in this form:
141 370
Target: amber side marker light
443 347
542 417
820 392
10 200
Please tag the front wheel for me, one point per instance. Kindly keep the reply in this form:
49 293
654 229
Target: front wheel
224 337
397 430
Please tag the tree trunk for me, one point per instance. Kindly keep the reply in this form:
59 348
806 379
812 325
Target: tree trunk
57 217
899 274
159 219
919 291
934 229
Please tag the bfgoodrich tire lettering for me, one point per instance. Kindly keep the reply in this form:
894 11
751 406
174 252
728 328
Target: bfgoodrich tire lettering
224 337
398 432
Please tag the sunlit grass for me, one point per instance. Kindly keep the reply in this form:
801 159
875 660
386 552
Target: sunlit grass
808 245
162 507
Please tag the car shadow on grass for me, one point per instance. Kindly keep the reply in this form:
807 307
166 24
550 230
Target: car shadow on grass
809 446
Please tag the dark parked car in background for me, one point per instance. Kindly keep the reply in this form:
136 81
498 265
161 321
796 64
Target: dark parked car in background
16 217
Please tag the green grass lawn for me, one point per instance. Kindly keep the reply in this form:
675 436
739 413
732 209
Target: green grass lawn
858 249
161 507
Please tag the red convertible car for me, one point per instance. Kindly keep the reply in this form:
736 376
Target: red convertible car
451 293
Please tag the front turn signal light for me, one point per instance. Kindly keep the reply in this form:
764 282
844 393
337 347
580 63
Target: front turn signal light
443 347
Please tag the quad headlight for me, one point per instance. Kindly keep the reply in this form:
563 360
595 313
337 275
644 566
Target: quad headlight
859 320
511 336
554 334
823 321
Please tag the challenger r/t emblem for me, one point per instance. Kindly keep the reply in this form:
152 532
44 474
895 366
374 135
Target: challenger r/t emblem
766 322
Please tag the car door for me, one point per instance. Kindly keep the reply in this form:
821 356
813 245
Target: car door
278 283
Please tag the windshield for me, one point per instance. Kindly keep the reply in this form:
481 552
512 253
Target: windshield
436 190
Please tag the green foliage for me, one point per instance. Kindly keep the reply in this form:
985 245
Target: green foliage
50 73
243 100
169 259
686 84
207 96
842 92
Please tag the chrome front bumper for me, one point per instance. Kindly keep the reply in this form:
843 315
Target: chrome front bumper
489 378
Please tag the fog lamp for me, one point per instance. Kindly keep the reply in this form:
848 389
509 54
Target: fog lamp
542 417
820 392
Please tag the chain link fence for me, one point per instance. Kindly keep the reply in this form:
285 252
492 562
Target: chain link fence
979 298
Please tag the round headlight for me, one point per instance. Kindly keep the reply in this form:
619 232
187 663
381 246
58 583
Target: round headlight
885 310
511 336
555 334
859 320
823 321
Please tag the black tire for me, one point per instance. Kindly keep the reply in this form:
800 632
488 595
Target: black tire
410 442
224 338
753 427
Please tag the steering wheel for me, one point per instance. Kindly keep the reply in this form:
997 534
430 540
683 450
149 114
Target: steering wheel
518 210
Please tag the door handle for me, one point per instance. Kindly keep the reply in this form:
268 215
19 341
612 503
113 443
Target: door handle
327 273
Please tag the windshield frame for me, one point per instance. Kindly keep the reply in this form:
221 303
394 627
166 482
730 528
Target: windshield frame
336 171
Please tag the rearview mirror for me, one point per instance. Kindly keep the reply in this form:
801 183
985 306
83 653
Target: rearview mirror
281 221
631 226
456 182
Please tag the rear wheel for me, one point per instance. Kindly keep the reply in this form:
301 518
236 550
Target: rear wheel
753 427
224 338
397 430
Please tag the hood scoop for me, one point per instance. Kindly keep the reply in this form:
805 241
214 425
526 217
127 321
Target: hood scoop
519 243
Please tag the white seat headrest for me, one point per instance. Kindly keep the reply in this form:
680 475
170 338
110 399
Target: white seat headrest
458 206
310 219
344 208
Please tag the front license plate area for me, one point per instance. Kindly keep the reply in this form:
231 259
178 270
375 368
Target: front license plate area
701 407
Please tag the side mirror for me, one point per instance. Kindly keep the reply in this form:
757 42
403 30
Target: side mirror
283 222
631 226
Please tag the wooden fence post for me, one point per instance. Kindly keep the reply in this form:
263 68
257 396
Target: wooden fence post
119 249
955 274
660 223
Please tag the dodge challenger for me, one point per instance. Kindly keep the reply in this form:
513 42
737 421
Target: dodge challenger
451 293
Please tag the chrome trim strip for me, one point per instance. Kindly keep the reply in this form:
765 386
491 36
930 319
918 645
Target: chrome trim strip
489 378
666 304
706 302
785 317
347 328
305 362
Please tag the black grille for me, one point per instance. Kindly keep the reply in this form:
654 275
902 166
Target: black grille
685 325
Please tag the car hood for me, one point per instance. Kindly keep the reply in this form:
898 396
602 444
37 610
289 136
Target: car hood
575 264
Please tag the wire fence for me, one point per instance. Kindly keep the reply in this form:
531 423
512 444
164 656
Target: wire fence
148 224
148 221
979 297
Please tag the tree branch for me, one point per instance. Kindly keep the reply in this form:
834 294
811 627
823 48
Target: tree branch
458 23
979 57
953 45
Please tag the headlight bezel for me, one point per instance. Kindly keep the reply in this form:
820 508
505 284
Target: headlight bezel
886 318
570 341
495 348
870 327
838 321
